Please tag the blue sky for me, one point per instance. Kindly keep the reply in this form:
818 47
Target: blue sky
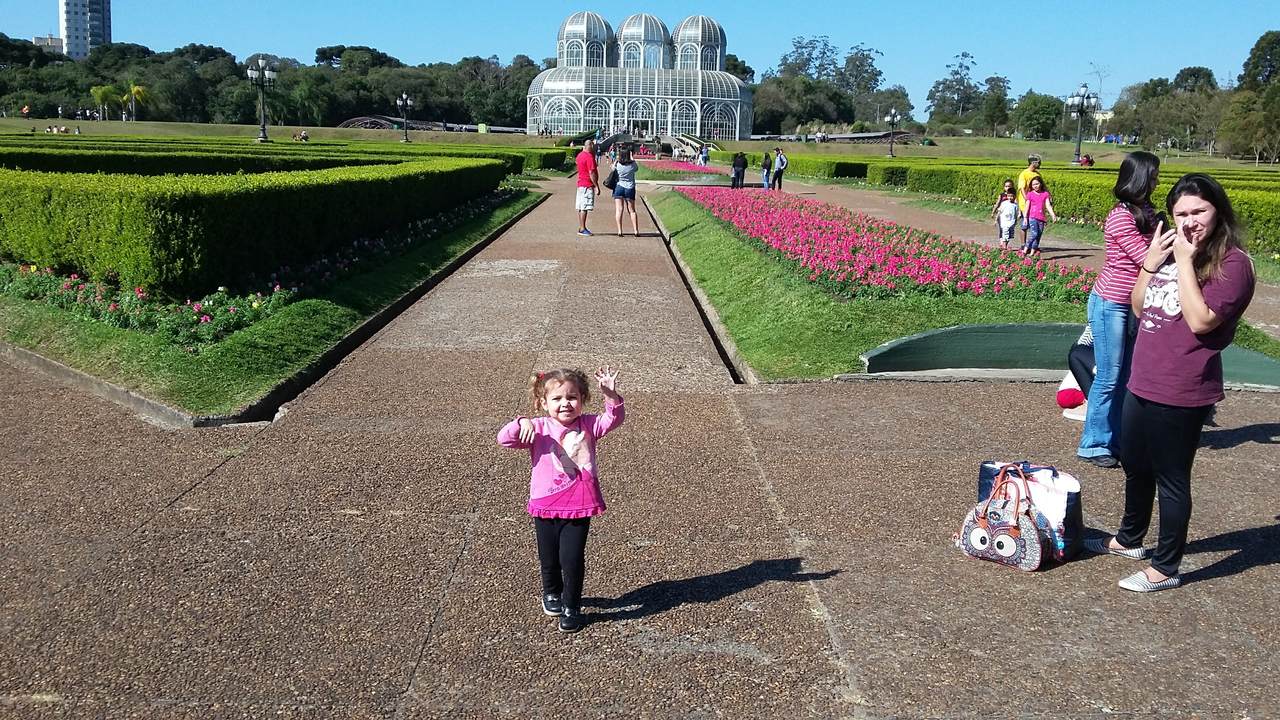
1048 46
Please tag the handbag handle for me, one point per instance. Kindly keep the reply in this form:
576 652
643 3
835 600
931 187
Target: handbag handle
1016 469
1017 500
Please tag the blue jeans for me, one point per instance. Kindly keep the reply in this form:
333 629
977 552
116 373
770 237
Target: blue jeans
1112 351
764 179
1035 228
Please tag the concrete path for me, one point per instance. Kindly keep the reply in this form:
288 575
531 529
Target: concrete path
1263 312
770 551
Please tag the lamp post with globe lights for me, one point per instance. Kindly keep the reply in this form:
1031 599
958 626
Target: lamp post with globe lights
893 118
1081 103
262 77
405 103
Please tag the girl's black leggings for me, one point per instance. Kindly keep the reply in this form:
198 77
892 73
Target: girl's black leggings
1160 443
562 550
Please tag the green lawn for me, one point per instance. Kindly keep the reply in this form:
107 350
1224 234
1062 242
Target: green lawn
786 327
277 133
245 366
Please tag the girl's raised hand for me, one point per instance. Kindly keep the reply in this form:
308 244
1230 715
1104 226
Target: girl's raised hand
608 379
1184 250
527 430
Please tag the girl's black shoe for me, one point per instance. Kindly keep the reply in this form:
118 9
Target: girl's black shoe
551 605
571 621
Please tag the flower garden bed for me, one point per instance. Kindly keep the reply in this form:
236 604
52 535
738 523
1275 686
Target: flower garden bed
856 255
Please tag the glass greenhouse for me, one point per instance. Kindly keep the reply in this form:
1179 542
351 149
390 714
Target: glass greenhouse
644 80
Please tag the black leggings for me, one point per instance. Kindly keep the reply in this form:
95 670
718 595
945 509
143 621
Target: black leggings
1160 443
776 182
562 550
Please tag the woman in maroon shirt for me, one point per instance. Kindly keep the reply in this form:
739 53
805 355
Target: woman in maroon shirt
1194 285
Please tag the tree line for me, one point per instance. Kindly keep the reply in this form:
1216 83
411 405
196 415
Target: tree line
202 83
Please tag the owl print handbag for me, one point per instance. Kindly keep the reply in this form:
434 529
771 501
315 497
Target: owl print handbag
1001 529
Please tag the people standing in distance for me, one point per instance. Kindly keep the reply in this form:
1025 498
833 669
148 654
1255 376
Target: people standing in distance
624 193
1039 201
1025 177
780 163
766 170
739 170
1127 231
588 185
564 490
1195 283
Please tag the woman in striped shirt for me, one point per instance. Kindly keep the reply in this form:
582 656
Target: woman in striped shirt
1127 231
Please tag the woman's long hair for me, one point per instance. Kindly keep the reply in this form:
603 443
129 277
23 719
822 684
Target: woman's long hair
1226 232
1137 180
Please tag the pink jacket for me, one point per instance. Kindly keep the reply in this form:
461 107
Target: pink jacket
564 482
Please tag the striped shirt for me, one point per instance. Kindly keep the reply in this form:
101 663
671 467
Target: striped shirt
1126 249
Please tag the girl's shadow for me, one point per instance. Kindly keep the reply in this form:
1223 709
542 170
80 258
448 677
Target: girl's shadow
665 595
1254 547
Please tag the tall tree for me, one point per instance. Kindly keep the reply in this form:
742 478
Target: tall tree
956 93
994 111
1037 115
1263 64
1194 79
739 69
859 75
812 57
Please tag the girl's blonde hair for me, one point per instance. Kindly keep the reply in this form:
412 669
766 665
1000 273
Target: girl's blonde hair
538 382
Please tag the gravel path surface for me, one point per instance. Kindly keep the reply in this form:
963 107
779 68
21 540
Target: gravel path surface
770 551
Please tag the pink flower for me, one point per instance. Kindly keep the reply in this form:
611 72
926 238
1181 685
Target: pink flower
232 309
113 307
205 319
196 307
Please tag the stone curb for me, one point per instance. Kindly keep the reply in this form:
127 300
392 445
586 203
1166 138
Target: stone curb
737 365
268 407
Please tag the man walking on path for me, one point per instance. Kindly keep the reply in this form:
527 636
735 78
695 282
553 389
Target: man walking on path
1025 177
588 185
779 166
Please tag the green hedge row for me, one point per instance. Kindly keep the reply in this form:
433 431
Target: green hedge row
169 163
181 236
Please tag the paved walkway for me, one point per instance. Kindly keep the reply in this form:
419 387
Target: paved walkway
770 551
1263 312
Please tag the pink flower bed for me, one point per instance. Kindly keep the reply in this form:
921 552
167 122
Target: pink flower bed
858 255
680 166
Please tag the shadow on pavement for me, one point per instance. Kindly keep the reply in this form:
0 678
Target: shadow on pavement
1255 547
1261 433
665 595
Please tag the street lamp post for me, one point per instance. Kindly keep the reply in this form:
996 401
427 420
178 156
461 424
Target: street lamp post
893 118
1081 103
263 78
405 103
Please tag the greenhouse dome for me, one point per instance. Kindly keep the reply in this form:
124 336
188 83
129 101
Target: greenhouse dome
645 80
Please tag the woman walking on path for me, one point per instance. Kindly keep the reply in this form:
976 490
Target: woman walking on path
1127 231
563 490
766 168
624 193
1189 311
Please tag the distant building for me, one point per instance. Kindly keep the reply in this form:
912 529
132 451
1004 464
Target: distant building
645 79
85 25
50 43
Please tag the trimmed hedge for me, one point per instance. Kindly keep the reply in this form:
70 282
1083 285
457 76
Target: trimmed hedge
169 163
182 236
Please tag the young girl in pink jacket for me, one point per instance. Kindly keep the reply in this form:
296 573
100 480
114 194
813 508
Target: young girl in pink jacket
564 492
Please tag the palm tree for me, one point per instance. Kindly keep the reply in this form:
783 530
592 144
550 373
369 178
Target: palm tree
105 95
134 95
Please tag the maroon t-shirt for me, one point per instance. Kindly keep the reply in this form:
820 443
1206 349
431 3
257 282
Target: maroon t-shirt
1171 364
586 165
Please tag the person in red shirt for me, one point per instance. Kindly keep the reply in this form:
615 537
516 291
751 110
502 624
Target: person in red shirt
588 185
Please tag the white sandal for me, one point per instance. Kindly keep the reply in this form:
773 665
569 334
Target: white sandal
1102 546
1139 582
